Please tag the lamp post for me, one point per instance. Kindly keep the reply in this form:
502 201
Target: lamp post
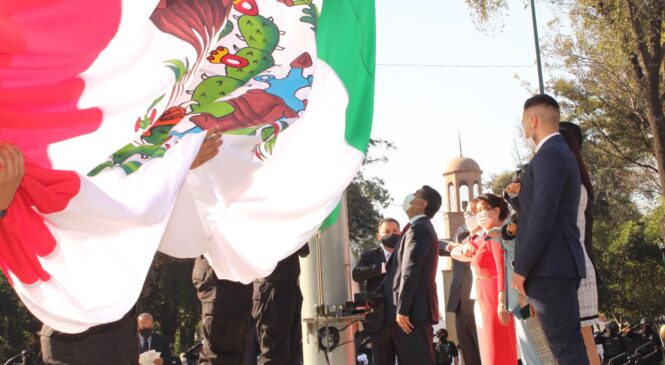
535 36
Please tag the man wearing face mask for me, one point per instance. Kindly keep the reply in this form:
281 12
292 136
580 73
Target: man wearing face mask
369 272
459 299
549 260
150 340
411 302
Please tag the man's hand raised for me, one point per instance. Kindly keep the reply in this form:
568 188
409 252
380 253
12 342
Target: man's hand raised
12 168
209 147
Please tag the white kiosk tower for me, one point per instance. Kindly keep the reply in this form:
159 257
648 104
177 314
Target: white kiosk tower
462 181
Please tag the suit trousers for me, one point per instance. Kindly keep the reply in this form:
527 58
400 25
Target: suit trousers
415 348
383 349
108 344
468 338
555 303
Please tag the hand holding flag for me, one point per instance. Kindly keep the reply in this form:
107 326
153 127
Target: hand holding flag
11 172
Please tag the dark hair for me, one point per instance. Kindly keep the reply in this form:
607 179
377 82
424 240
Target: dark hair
574 130
575 148
495 201
541 99
386 220
442 332
433 199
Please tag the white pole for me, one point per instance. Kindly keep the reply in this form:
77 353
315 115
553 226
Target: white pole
328 268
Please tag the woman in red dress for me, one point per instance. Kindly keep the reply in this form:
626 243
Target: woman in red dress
499 347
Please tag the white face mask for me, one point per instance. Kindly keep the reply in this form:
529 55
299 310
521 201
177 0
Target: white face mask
471 222
530 142
484 220
406 205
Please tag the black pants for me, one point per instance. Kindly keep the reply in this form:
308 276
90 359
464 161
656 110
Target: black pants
224 323
555 303
414 348
277 307
468 338
383 349
108 344
251 343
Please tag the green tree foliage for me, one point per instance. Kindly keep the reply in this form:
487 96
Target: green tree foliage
171 298
630 265
365 197
498 182
18 328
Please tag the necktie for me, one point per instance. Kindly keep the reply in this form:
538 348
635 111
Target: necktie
406 228
145 346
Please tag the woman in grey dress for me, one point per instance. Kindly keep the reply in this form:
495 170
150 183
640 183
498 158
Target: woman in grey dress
587 294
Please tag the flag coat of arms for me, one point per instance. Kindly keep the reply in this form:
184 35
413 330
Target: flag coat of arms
110 101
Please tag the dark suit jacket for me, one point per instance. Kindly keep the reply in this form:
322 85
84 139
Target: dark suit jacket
160 344
548 240
459 300
412 272
368 272
368 269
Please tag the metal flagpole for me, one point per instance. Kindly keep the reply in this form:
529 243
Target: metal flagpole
535 36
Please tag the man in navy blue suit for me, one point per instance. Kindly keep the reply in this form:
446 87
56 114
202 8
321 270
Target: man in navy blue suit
411 304
549 261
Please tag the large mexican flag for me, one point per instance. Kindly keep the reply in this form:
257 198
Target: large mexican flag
110 100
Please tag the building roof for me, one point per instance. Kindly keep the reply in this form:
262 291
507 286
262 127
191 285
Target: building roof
462 164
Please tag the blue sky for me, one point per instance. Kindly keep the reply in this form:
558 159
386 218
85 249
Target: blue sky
421 108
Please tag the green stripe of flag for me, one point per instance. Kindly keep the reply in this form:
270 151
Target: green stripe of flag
346 40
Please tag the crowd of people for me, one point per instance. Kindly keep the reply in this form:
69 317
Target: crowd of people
524 282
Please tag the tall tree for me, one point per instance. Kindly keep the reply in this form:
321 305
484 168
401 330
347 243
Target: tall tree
365 198
613 81
630 265
170 297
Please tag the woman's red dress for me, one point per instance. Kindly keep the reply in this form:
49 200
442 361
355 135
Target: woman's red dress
499 347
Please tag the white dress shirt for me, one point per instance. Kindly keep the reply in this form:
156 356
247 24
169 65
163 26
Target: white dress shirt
414 219
547 138
387 254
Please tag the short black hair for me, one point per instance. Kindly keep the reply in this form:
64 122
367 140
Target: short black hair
496 201
433 199
541 99
386 220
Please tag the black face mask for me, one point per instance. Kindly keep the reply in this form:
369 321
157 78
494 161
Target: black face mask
145 332
390 240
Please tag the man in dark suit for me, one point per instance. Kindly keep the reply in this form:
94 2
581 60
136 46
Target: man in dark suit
411 304
150 340
549 261
370 272
460 303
